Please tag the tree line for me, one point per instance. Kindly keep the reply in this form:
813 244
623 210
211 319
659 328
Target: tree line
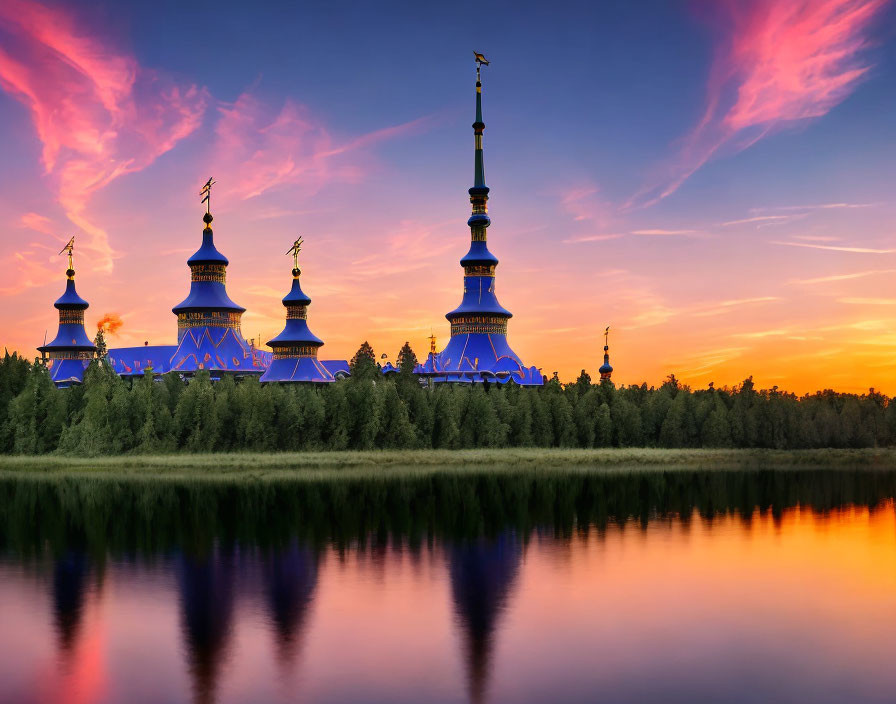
109 415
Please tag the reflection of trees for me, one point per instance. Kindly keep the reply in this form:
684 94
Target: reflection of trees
483 571
154 517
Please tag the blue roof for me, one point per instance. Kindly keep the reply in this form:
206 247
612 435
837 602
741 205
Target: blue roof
70 299
299 369
133 361
65 372
478 357
479 297
205 295
214 349
70 335
478 254
208 253
296 332
336 366
296 295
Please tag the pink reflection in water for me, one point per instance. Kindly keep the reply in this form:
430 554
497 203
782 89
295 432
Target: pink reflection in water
803 608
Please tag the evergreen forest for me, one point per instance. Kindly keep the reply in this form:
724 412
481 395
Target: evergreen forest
108 415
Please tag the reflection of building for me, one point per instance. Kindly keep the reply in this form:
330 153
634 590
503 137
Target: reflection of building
483 572
206 601
68 355
478 350
290 577
70 574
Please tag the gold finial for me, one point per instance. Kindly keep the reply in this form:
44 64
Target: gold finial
480 62
607 337
206 194
432 342
69 249
294 251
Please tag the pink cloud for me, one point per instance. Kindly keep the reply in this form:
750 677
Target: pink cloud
97 113
776 62
256 150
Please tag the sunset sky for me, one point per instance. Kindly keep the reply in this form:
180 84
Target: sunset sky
715 180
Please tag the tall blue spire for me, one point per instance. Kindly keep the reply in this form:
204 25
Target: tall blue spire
68 355
478 349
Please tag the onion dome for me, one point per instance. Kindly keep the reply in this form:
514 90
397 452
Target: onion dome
208 322
478 350
68 355
208 274
295 348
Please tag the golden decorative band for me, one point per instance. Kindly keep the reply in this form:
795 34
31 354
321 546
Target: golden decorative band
295 351
487 324
208 272
211 319
480 204
71 316
479 270
477 233
296 312
70 355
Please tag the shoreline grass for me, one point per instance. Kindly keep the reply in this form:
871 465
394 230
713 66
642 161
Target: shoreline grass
416 462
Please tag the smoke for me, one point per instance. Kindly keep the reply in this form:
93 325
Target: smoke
109 323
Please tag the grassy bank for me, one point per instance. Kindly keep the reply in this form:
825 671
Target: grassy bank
430 461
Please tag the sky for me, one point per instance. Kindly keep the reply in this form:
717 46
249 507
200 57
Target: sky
713 179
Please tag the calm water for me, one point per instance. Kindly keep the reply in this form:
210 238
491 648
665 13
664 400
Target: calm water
630 587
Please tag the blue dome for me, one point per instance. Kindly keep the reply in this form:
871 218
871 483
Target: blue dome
208 253
296 295
70 299
478 254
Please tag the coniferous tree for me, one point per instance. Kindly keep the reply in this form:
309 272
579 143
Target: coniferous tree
363 364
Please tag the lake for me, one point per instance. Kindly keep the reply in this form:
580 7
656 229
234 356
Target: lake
475 586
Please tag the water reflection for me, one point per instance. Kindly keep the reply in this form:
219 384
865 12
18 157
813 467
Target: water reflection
483 572
220 591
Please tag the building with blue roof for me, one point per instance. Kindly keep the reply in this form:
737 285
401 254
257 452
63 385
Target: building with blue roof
295 348
69 353
478 350
208 322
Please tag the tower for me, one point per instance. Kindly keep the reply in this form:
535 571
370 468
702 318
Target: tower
606 371
295 349
208 322
71 350
478 349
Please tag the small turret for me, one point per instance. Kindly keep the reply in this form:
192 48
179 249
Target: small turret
295 349
68 355
606 371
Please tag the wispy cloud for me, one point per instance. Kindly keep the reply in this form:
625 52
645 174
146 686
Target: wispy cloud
836 248
868 301
759 219
841 277
660 232
592 238
258 149
98 114
776 62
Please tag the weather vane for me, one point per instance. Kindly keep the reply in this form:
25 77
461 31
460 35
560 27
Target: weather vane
294 251
69 248
480 62
607 336
206 194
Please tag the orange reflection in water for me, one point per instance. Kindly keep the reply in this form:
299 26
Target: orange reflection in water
798 607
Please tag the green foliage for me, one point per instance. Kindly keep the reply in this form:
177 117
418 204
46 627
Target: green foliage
107 415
